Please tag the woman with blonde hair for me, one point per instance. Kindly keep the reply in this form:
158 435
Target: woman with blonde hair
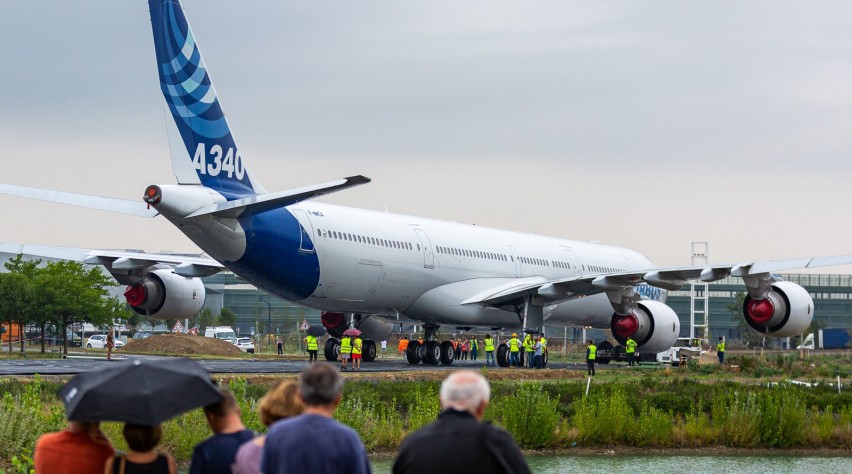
280 402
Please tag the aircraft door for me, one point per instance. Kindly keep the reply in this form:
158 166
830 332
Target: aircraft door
306 231
572 259
428 256
514 252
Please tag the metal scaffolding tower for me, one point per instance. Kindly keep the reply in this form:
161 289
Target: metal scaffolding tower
699 296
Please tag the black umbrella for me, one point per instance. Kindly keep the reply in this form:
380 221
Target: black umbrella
143 392
316 331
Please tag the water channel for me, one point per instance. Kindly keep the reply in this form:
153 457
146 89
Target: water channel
605 464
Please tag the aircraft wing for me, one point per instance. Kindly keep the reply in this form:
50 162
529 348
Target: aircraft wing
672 278
122 206
124 265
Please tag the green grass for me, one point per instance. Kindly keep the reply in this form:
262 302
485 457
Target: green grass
655 408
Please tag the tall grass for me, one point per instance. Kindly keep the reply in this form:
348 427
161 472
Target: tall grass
652 411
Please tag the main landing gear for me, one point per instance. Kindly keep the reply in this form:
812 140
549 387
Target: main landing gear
430 352
332 350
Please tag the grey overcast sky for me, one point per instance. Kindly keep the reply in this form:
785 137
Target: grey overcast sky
647 124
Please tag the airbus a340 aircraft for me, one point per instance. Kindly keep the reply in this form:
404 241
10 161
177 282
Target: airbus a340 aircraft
370 269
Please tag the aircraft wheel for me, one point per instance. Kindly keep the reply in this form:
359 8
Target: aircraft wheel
503 355
411 354
432 353
447 353
604 346
331 349
88 346
369 351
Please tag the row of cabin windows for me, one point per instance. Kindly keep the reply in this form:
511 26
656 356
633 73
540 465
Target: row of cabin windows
534 261
559 264
471 253
599 269
361 239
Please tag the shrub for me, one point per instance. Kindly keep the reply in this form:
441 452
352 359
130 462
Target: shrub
425 408
530 415
603 420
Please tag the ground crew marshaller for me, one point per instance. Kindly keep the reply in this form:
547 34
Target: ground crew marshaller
489 350
631 351
529 350
474 347
514 351
720 351
345 351
591 355
313 346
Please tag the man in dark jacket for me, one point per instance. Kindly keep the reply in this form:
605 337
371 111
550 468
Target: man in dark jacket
458 441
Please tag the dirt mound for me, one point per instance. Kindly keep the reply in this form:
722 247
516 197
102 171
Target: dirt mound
181 344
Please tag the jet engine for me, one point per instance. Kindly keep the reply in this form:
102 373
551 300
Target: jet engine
787 310
653 325
370 327
163 294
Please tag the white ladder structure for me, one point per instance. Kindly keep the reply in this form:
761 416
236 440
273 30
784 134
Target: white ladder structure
699 295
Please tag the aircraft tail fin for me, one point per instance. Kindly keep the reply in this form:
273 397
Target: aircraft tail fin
189 93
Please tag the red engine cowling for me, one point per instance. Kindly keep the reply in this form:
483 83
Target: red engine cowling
163 294
653 325
334 323
787 310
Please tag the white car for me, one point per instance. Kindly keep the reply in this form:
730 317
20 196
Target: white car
245 345
98 341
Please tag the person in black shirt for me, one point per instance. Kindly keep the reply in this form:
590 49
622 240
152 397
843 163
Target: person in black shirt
216 454
458 441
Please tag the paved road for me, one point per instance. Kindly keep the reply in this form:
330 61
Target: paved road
219 366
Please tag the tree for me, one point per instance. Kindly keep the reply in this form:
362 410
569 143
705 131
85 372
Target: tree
749 336
29 312
227 317
71 294
15 301
205 319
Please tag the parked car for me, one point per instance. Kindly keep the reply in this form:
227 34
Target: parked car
245 344
98 341
142 335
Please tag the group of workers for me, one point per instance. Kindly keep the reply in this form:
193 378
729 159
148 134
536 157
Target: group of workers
534 349
351 348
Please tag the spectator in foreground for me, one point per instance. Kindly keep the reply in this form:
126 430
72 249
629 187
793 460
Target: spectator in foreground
314 442
458 441
142 457
80 448
216 454
279 403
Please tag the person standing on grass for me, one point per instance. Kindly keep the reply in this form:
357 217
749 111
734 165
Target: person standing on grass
216 454
81 448
489 350
458 441
720 351
357 347
281 402
345 350
313 442
631 351
591 356
142 457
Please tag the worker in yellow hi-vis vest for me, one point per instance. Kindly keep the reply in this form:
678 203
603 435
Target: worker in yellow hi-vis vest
720 350
591 355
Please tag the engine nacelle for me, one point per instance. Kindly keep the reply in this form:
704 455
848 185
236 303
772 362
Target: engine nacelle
163 294
371 327
787 310
653 325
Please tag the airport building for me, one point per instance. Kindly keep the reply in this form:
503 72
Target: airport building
256 309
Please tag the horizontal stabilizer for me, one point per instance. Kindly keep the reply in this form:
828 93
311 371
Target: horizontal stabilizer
266 202
133 208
